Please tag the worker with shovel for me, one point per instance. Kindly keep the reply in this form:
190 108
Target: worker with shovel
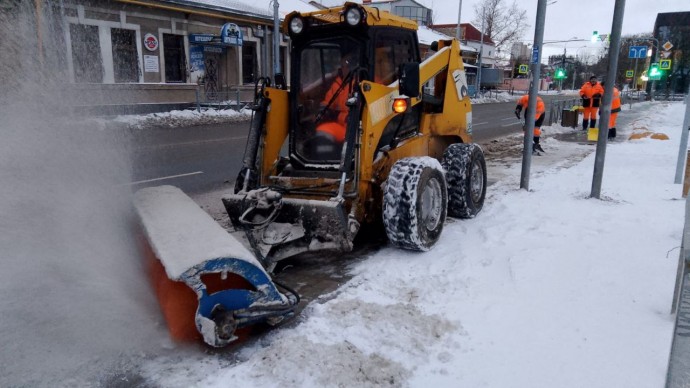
538 119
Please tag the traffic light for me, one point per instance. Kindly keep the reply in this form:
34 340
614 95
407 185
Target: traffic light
654 72
595 36
560 74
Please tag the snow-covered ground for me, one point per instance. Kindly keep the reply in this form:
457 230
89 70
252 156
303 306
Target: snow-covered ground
544 288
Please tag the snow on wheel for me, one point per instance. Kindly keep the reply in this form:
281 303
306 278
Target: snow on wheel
414 203
466 177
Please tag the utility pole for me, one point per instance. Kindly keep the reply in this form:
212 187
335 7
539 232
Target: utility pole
600 155
560 81
457 30
682 151
276 39
535 64
481 53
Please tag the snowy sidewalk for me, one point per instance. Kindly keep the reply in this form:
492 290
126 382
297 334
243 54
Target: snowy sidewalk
546 288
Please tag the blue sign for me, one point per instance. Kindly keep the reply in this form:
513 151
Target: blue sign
637 52
535 55
196 58
231 34
201 38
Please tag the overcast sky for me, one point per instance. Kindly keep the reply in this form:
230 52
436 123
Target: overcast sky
566 19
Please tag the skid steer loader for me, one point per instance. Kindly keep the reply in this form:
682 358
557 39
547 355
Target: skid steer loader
367 132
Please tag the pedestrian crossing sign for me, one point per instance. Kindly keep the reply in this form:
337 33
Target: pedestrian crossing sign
523 69
665 64
629 73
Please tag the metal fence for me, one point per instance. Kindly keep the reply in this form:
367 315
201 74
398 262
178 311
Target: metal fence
556 108
678 373
229 98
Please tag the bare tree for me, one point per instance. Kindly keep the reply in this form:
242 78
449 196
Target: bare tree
504 24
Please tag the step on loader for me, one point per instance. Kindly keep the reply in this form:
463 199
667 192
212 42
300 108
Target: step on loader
367 132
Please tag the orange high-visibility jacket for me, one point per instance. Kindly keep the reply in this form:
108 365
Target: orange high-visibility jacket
588 90
524 100
616 103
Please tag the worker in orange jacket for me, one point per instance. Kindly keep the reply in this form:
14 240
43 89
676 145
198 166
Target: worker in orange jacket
615 108
591 93
335 101
538 118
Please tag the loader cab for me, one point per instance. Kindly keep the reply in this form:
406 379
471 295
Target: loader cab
328 62
326 71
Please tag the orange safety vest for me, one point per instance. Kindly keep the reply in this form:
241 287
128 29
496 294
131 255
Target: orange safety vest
524 101
588 90
616 103
340 101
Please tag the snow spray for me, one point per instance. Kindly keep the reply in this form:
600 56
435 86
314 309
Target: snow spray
75 308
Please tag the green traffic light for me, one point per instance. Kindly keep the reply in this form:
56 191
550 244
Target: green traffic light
654 71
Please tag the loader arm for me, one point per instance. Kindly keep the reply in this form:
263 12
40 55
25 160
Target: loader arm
447 70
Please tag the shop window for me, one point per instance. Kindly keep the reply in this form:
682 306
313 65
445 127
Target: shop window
86 53
249 63
175 65
125 58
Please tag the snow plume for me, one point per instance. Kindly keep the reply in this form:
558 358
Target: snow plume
72 296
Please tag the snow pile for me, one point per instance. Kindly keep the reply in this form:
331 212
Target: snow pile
543 288
182 118
493 97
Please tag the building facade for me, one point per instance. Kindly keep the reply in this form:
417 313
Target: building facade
124 52
470 36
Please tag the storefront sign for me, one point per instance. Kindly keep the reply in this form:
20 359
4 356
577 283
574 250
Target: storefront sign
151 63
201 38
231 34
151 42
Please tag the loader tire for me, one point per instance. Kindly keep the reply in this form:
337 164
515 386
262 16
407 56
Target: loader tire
465 168
414 203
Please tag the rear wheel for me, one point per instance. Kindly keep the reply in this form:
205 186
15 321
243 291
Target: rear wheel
465 168
414 203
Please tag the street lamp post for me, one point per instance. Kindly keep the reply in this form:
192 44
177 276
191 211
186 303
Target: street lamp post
457 29
576 56
481 54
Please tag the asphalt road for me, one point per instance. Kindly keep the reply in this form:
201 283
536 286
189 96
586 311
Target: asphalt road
203 158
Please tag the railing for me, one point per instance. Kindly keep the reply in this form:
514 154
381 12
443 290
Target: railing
556 108
678 373
230 98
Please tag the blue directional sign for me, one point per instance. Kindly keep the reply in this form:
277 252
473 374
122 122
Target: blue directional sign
535 55
637 52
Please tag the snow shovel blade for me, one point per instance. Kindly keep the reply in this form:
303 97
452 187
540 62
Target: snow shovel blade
592 134
207 283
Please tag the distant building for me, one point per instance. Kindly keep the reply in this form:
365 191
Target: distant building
673 28
520 50
472 37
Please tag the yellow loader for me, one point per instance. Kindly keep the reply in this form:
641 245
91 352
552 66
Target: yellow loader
367 132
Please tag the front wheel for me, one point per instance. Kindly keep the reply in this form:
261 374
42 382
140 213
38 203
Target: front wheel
414 203
466 176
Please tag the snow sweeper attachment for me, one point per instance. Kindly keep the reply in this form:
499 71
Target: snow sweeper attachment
207 283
